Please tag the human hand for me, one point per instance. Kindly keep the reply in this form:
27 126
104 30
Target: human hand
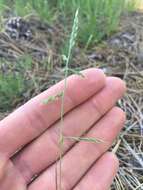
32 132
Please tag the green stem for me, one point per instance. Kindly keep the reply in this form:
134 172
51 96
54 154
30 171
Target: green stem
62 119
71 45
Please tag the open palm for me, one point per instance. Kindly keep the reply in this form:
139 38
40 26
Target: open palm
29 137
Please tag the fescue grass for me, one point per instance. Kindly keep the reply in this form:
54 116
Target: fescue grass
66 59
62 138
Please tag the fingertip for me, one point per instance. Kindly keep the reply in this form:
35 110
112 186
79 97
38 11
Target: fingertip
93 81
101 175
93 74
112 158
120 113
118 84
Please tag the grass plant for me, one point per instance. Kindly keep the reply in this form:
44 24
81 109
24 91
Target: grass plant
61 95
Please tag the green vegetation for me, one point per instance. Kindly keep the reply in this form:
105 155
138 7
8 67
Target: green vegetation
41 8
12 82
133 4
98 19
36 7
11 87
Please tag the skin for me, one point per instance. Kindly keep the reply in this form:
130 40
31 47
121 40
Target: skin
29 136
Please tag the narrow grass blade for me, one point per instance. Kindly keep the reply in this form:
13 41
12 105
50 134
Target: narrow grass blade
86 139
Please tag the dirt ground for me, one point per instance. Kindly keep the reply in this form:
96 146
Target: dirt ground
120 55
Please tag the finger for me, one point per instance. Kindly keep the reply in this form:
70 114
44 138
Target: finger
81 157
33 118
12 179
3 164
101 174
76 123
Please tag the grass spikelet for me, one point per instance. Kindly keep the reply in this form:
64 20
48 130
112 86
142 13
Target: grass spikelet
52 98
86 139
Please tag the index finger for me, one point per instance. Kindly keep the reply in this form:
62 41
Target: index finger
33 118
